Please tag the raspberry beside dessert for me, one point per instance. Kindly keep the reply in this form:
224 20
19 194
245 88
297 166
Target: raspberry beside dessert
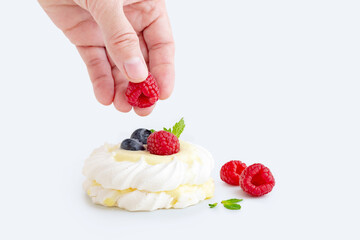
163 143
143 94
257 180
230 172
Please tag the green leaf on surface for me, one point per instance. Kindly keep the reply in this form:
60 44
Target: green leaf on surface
231 201
212 205
152 130
232 206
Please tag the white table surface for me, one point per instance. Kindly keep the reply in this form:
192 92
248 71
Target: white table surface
275 82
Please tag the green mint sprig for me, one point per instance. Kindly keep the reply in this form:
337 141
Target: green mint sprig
177 129
212 205
232 203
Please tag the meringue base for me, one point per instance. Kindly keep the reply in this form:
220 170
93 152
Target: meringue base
139 200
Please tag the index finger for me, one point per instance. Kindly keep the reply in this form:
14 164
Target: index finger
160 43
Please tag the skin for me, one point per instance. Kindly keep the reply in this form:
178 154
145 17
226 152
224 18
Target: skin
119 41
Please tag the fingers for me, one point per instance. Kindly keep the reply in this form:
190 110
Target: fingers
144 49
120 100
144 111
121 40
100 74
103 75
121 83
159 40
127 52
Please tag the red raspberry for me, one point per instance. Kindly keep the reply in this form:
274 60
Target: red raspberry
230 172
257 180
163 143
143 94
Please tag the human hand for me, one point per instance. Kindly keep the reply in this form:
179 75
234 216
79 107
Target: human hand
119 41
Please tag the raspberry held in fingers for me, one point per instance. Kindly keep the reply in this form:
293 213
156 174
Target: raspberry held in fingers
143 94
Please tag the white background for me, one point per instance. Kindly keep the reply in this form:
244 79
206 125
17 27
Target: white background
275 82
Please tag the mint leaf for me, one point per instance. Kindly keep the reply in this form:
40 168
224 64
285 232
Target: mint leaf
231 201
178 128
213 205
168 130
152 130
232 206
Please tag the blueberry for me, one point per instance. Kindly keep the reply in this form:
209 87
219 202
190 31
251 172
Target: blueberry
132 145
141 135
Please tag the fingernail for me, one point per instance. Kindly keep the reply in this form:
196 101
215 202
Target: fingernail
136 69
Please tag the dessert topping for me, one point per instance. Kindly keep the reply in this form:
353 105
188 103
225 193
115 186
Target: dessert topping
177 129
132 145
141 135
163 143
166 142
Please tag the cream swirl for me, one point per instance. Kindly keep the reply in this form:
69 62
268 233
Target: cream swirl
192 165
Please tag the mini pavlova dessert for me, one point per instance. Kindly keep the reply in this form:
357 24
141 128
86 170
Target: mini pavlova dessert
151 170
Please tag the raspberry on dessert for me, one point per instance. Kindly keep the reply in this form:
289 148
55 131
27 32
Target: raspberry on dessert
257 180
230 172
163 143
143 94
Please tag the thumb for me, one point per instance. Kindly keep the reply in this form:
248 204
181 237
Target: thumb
121 41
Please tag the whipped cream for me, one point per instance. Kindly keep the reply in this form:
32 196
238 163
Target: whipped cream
138 200
118 169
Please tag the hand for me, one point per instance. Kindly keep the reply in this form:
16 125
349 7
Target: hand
119 41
